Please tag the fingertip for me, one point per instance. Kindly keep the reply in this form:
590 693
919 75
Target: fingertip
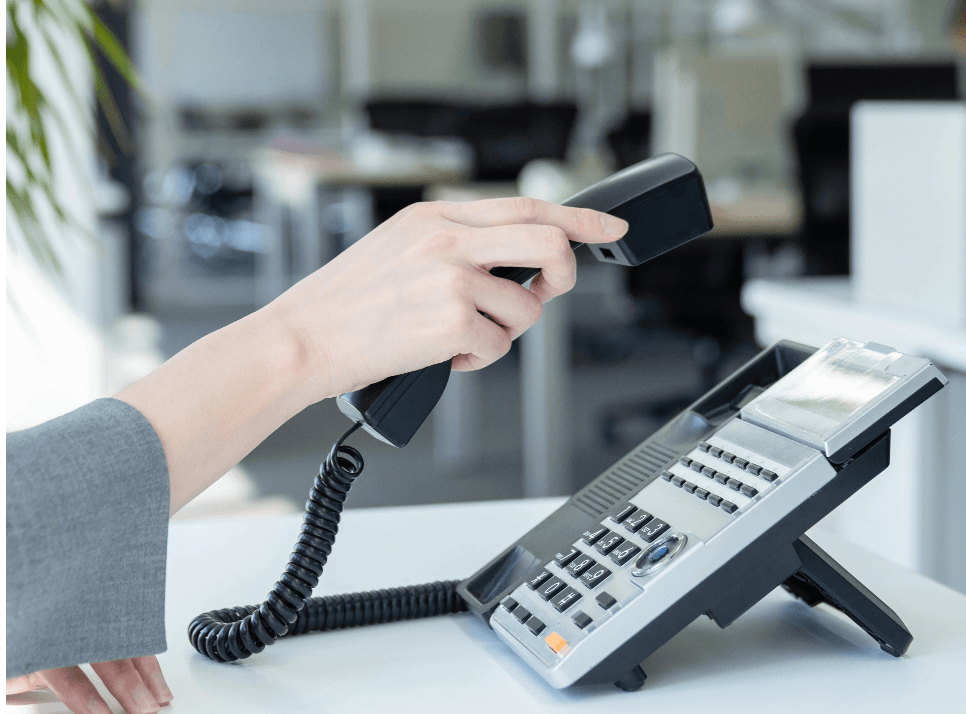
613 226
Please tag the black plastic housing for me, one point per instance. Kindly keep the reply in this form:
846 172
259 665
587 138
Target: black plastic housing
664 201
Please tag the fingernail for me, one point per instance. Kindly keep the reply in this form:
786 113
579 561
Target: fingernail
162 686
96 705
613 226
142 697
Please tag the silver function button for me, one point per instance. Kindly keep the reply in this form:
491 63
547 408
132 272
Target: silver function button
659 554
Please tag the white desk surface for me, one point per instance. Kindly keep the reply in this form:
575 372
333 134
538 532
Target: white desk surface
779 656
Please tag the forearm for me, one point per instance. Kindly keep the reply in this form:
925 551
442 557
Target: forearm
213 402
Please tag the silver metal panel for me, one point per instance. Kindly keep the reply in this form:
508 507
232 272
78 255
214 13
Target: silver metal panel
663 589
680 508
838 393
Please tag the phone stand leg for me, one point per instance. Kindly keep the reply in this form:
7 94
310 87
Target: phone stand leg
821 579
632 681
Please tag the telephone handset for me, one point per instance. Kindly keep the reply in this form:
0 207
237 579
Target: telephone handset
706 516
663 200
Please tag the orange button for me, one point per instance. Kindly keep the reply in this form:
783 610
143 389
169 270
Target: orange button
556 642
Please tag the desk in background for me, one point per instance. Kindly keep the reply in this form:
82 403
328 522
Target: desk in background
290 177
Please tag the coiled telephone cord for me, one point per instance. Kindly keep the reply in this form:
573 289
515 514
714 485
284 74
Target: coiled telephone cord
237 633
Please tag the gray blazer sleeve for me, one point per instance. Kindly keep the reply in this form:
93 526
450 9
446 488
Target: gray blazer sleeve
87 530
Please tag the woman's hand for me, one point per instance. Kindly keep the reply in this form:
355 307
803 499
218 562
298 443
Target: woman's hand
408 295
411 293
136 683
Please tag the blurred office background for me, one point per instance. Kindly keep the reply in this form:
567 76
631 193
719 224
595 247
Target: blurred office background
268 136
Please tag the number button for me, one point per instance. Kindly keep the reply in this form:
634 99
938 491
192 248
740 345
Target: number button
606 544
595 576
580 565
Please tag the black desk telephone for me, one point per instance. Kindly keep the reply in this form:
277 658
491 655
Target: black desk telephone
707 516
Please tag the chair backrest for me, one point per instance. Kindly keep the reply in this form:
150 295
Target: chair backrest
505 137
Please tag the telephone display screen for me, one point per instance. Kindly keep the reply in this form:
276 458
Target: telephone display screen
815 400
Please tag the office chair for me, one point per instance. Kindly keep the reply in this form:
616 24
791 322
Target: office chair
505 137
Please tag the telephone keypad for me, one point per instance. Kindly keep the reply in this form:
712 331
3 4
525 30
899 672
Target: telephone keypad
628 510
564 558
593 535
637 520
579 565
624 553
652 530
595 576
565 599
539 579
606 544
551 588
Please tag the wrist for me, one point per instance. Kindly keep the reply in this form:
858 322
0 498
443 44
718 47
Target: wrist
298 354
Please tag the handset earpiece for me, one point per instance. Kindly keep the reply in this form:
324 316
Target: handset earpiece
664 201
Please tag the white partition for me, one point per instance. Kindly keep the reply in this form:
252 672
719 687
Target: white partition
908 168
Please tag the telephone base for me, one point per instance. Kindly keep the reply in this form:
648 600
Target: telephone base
822 579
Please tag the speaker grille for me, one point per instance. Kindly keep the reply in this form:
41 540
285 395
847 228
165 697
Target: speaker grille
624 478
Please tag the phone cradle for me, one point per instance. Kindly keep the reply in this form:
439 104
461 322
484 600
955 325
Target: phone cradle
816 578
